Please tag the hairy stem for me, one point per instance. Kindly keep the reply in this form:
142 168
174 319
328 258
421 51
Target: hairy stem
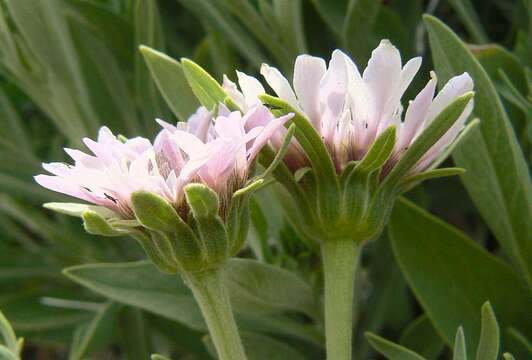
339 261
213 300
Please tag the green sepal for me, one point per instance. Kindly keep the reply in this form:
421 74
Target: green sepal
249 189
8 335
187 247
379 152
281 152
203 201
214 239
76 209
95 224
316 151
170 79
237 224
412 180
435 130
357 197
508 356
155 253
391 350
154 212
301 172
158 357
205 87
459 350
488 345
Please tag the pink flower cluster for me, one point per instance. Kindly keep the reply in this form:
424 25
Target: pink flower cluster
350 110
215 151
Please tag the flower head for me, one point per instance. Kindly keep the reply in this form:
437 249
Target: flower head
349 110
216 151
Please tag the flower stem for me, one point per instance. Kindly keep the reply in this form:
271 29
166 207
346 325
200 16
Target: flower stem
339 261
213 300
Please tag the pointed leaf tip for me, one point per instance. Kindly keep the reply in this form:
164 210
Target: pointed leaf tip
208 91
488 346
391 350
95 224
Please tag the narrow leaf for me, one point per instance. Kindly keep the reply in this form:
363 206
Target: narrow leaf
497 177
171 81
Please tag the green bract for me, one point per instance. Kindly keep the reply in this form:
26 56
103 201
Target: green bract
355 204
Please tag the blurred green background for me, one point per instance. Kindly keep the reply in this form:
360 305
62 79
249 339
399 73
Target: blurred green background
68 67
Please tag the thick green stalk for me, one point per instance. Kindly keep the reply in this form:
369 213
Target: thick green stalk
339 261
213 300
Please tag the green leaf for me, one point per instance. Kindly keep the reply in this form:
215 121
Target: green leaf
92 336
171 81
333 12
148 32
497 177
358 27
459 350
202 200
76 209
469 17
258 287
205 87
216 15
517 343
488 345
441 263
154 212
261 347
135 334
139 284
421 337
434 131
250 17
390 350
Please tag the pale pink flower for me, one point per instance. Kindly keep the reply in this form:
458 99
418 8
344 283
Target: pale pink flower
215 151
350 110
223 157
109 176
